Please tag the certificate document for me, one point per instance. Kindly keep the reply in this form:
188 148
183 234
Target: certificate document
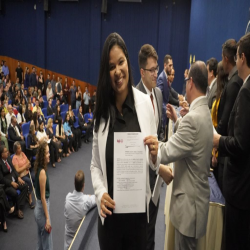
129 173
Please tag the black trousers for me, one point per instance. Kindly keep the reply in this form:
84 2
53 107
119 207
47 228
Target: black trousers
153 211
65 145
77 134
86 109
4 205
87 129
123 232
18 200
237 228
73 104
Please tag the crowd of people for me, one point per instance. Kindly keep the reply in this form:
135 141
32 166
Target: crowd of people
30 117
212 131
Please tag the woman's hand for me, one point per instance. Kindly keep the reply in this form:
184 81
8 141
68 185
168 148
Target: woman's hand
106 202
47 225
152 143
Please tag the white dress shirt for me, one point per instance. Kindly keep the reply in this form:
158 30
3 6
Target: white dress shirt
155 104
77 206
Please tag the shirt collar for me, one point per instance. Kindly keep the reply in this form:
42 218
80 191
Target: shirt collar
147 90
212 83
77 193
195 101
231 73
246 79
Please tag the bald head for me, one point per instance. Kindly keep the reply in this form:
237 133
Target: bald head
198 72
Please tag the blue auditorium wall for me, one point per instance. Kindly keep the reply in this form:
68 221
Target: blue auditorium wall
69 40
212 22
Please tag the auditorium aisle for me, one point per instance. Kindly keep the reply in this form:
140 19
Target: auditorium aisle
22 234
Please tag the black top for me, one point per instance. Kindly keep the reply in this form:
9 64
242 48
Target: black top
236 147
30 141
19 72
126 123
49 133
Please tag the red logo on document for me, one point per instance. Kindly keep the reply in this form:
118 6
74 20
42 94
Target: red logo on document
120 141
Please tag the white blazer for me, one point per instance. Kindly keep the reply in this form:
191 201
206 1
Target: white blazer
146 121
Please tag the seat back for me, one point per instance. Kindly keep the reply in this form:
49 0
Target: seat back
44 110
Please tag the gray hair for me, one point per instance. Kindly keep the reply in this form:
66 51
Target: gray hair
16 145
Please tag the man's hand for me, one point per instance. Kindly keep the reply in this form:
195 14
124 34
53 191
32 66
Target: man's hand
183 104
20 181
184 111
216 140
14 184
152 143
180 97
214 161
171 113
22 137
166 173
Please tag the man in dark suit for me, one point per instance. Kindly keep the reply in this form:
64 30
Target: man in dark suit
227 99
236 147
15 133
163 85
149 68
212 64
9 178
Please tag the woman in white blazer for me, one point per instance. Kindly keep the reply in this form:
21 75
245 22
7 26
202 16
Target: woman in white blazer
119 108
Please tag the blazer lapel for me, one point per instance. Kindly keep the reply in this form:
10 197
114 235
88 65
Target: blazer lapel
158 109
102 139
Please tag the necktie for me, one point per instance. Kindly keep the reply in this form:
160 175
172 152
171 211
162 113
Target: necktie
16 130
8 166
152 100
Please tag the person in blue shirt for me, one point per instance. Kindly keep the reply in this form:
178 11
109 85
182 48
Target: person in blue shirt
33 80
5 69
86 98
68 133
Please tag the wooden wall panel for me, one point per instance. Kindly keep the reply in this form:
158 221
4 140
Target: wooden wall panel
12 64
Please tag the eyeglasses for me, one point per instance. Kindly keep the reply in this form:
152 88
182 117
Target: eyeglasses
154 70
188 78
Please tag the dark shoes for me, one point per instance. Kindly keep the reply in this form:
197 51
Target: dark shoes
20 214
32 205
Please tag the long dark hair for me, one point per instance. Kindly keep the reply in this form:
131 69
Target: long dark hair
34 118
21 112
105 99
33 136
221 80
40 157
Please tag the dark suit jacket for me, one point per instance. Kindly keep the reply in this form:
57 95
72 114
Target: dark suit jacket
12 133
5 175
227 100
49 110
173 97
236 146
212 95
81 120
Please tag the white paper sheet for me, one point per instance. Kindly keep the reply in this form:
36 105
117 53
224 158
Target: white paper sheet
129 173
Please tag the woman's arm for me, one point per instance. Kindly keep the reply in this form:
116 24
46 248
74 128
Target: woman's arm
17 166
42 183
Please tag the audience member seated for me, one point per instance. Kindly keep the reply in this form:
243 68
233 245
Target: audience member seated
56 144
28 113
4 207
37 108
68 132
9 115
42 136
57 104
77 205
22 166
49 91
32 141
15 133
61 98
20 116
3 128
41 103
34 121
60 135
84 126
5 106
76 131
9 177
50 110
35 94
58 117
40 117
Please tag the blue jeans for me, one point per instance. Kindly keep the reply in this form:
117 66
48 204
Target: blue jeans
78 104
44 238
